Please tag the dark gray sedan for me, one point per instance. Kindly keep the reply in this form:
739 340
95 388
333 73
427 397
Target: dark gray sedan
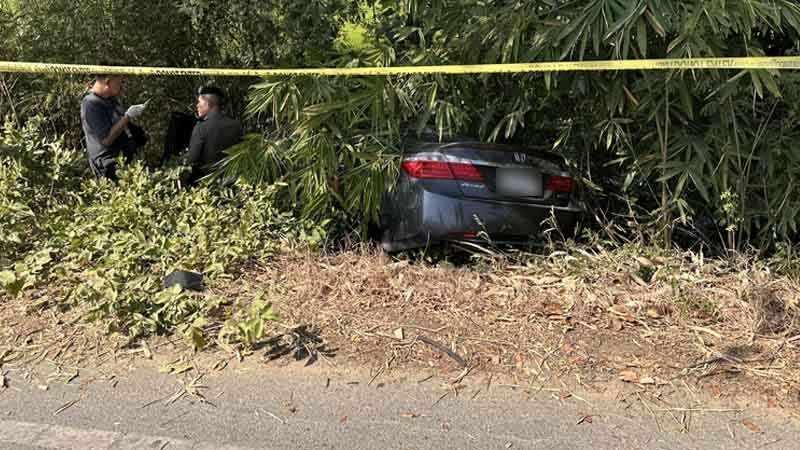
469 191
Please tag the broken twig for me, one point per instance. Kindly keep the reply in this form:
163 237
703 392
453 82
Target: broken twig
443 349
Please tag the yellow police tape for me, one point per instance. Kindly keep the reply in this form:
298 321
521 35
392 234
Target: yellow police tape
777 63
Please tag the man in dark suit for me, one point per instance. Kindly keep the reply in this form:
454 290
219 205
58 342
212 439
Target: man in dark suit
212 135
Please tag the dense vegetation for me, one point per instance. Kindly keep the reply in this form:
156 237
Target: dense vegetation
707 151
711 154
86 242
666 157
185 33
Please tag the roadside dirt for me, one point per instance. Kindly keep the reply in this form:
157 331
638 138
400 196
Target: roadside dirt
560 324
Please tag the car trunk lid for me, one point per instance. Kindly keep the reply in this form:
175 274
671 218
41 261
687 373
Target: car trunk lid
511 173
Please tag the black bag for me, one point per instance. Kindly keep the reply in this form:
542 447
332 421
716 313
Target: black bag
138 135
179 134
188 280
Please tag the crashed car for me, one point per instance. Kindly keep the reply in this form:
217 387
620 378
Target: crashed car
473 192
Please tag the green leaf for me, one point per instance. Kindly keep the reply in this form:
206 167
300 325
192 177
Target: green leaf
655 23
699 183
628 181
686 99
7 277
771 83
12 283
670 174
757 83
641 37
432 96
634 10
196 337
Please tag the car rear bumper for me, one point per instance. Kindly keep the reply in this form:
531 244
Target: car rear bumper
438 218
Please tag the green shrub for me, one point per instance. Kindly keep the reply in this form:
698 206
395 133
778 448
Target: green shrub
248 328
36 175
108 246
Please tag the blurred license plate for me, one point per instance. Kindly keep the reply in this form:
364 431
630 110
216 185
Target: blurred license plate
519 182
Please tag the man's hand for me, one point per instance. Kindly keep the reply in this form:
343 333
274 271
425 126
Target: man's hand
136 110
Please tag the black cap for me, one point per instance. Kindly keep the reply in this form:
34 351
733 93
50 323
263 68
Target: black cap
211 90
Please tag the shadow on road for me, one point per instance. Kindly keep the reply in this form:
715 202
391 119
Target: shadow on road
301 343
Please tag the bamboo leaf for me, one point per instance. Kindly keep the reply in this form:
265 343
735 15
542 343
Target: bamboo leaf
755 76
656 23
641 38
635 9
699 184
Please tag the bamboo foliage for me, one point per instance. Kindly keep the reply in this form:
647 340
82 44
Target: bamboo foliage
688 146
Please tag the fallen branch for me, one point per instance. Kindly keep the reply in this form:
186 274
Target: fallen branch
436 331
463 375
701 410
66 406
443 349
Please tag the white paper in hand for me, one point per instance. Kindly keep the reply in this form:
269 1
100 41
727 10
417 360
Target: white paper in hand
136 110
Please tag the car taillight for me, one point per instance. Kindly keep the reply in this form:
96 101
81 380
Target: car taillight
466 172
560 184
430 170
440 170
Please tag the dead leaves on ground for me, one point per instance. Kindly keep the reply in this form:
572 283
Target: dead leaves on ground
630 376
750 425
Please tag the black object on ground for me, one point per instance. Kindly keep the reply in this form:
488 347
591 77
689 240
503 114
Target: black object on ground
179 134
188 280
455 356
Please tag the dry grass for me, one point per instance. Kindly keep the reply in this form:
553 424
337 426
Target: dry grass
567 316
570 318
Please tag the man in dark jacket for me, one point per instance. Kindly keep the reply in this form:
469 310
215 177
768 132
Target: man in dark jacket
212 135
106 125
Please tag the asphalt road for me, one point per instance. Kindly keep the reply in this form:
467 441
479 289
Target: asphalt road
298 409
